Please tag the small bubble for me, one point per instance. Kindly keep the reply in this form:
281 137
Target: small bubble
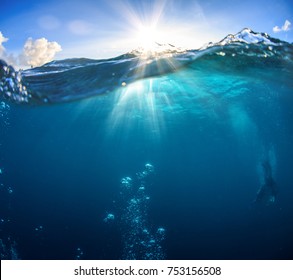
79 254
149 167
123 84
110 217
126 182
133 201
161 230
39 228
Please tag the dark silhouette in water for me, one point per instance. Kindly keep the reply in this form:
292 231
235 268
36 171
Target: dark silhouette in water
268 191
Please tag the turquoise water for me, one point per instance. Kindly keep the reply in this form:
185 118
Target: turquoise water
151 156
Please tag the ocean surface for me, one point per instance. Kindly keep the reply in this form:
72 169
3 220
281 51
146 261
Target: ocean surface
164 154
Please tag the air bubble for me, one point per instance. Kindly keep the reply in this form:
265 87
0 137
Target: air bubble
126 182
139 242
109 218
149 168
39 228
79 254
161 230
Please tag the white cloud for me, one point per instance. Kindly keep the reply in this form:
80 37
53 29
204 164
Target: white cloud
2 40
39 52
285 27
8 57
35 52
80 27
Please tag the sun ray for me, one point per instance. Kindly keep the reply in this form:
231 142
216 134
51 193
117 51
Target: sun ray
153 56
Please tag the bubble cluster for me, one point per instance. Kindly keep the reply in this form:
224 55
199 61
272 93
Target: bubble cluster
4 110
139 239
7 244
126 182
39 228
7 189
11 85
3 107
3 188
79 254
8 249
148 169
10 190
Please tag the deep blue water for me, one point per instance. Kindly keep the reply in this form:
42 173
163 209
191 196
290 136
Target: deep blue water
205 128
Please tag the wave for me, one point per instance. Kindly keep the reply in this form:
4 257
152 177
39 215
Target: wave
78 78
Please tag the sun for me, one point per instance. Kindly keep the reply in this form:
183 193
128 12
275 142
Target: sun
148 37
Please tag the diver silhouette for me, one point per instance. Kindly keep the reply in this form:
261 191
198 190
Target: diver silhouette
268 191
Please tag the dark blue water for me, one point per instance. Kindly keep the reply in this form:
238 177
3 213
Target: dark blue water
205 128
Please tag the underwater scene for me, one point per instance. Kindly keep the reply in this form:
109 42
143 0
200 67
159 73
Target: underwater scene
162 154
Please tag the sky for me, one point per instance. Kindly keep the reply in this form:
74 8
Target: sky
33 32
